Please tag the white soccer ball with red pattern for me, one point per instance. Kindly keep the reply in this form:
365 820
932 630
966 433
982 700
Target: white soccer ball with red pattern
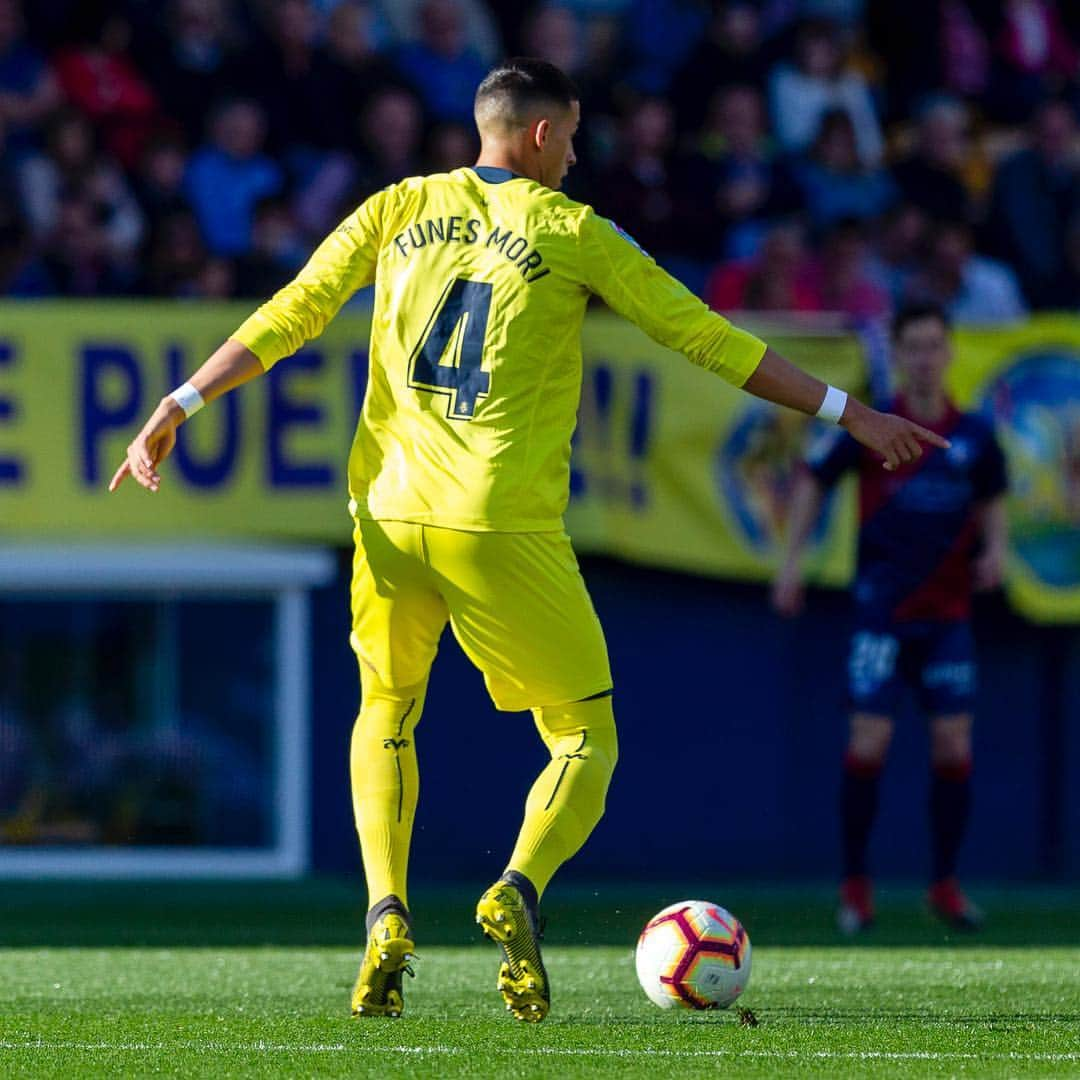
695 955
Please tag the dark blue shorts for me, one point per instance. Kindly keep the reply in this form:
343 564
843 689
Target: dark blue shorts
937 660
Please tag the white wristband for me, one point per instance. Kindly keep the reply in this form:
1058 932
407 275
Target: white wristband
832 407
188 398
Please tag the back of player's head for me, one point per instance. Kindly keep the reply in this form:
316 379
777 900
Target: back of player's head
916 312
514 89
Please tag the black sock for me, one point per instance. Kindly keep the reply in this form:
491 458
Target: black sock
950 807
858 808
523 886
387 903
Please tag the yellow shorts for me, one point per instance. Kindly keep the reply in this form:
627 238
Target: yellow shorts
516 601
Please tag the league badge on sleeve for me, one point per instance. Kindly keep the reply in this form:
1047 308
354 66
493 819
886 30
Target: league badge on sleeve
626 236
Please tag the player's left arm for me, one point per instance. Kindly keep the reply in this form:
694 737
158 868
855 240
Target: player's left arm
990 483
989 567
632 283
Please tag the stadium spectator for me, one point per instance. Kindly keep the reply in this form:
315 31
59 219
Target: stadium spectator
730 53
833 182
843 274
899 248
1072 276
777 279
295 86
1034 58
334 80
637 189
441 65
972 288
357 69
21 270
76 252
1036 193
278 250
391 140
735 185
659 36
73 181
965 51
450 146
589 52
926 47
930 177
159 179
479 29
28 89
175 256
193 56
216 280
802 93
228 176
99 78
553 33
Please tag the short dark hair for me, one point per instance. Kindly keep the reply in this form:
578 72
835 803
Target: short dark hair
514 86
916 312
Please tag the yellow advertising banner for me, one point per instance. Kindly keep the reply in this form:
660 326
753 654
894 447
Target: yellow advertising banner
76 381
671 465
674 467
1027 378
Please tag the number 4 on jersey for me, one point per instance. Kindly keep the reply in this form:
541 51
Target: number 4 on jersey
449 356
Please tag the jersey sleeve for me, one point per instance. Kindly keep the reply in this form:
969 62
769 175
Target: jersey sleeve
832 455
344 262
630 282
989 477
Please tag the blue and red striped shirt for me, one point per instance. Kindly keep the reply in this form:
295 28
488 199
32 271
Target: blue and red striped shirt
918 530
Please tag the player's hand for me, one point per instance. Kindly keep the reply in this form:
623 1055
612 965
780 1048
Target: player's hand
988 570
897 440
150 447
788 592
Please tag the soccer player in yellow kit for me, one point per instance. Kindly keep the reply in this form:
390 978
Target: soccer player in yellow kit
459 474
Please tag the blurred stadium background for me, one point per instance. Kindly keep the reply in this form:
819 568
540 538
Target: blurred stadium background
176 687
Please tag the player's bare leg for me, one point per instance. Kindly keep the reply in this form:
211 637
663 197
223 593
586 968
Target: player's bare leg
385 784
868 746
950 807
562 809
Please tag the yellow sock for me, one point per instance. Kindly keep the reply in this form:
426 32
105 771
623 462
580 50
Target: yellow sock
567 799
385 782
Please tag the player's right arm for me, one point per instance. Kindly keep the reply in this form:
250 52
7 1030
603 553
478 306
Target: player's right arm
632 283
787 590
230 366
829 459
344 262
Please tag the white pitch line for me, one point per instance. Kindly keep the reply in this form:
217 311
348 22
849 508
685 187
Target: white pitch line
553 1051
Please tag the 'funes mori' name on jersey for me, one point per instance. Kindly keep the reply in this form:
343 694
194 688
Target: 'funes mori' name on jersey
456 229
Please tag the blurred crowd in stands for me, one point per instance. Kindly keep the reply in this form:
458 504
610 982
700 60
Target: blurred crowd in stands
803 155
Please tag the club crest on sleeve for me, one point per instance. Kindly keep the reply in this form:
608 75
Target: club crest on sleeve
626 236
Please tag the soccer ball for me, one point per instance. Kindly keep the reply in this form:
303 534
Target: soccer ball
693 954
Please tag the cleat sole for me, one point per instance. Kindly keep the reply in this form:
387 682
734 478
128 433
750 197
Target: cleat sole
521 995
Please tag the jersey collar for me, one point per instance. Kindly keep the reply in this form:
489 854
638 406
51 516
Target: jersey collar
490 174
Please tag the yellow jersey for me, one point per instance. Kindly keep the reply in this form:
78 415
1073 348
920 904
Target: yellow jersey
481 283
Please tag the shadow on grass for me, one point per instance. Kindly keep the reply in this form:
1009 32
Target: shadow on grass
326 912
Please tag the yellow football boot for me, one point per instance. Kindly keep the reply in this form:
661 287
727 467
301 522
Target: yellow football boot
506 919
389 950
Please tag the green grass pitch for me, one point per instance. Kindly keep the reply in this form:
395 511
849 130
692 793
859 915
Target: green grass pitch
237 981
